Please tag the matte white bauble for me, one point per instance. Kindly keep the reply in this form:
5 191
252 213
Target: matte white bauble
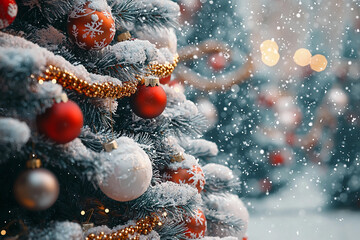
130 171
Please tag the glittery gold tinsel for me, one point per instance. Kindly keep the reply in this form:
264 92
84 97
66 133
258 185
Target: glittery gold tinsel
102 90
163 70
143 227
99 90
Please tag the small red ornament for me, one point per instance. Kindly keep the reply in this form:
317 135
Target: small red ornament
8 12
195 226
62 122
276 158
265 185
217 61
90 29
148 101
165 80
290 138
194 177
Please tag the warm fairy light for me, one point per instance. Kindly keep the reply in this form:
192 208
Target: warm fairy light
82 212
302 57
107 210
3 232
268 46
271 58
270 52
318 63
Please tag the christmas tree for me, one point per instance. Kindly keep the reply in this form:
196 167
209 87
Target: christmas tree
93 146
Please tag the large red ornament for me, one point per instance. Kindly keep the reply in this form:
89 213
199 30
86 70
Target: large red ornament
217 61
194 177
62 122
8 12
196 226
148 101
90 29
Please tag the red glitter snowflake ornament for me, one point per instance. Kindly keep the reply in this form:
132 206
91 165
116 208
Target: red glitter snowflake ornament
8 12
196 226
90 29
192 176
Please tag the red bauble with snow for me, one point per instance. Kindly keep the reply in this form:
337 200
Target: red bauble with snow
148 102
217 61
90 29
165 80
193 176
196 225
62 122
8 12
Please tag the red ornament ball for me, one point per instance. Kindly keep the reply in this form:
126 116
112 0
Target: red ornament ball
265 185
276 158
165 80
8 12
148 102
90 29
62 122
217 61
195 226
194 177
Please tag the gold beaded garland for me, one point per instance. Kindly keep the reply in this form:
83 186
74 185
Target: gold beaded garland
163 70
102 90
143 227
99 90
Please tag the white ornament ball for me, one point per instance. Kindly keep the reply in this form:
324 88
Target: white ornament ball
228 204
131 171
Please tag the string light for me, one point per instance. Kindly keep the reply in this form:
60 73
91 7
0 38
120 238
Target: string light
318 63
3 232
269 50
107 210
302 57
143 227
82 212
271 58
268 45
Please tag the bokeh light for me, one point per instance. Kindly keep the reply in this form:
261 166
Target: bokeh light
268 45
270 58
318 63
302 57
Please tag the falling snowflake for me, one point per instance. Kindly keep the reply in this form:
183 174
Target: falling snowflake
94 28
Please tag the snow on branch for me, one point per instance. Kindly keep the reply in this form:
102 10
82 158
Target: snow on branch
137 14
171 197
199 147
57 231
42 57
219 178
